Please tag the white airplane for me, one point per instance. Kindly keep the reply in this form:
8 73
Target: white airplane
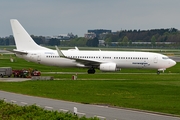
103 60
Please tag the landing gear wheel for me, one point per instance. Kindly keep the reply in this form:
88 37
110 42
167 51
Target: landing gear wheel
91 71
158 72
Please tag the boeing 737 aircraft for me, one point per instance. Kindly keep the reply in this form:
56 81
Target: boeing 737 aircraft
103 60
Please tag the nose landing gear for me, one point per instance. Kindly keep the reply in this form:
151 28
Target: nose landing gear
158 72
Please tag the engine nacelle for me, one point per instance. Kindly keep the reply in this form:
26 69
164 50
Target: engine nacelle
108 67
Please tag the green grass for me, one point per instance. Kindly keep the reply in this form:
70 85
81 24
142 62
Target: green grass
130 88
152 94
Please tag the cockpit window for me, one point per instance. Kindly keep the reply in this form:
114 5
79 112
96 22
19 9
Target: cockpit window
165 58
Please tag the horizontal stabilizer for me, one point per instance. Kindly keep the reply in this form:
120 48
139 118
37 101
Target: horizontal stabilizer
19 52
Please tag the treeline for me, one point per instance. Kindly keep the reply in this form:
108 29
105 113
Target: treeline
81 42
127 37
167 37
41 40
161 35
10 111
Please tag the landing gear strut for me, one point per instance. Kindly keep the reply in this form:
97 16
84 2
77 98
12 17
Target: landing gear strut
91 71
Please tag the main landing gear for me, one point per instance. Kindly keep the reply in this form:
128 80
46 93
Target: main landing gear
91 71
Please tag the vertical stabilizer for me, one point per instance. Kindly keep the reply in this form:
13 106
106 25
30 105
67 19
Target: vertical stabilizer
22 39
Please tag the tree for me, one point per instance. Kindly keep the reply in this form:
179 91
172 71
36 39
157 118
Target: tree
153 41
54 42
108 41
93 42
125 41
80 41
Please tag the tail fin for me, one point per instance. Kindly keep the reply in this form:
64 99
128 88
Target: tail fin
22 39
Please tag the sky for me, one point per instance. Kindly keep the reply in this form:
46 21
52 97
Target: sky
54 17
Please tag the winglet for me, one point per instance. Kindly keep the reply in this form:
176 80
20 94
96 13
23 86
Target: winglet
59 52
76 48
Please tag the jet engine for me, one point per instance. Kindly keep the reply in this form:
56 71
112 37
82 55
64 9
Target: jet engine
108 67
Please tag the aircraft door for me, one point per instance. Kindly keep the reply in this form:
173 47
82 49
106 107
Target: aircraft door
155 59
38 58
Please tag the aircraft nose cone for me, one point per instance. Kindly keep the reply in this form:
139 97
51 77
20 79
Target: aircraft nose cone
173 63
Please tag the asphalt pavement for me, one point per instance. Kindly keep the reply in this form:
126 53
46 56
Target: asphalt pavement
102 112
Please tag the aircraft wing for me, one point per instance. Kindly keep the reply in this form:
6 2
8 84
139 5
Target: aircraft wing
81 61
88 62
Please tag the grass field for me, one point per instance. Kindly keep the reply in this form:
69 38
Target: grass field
130 88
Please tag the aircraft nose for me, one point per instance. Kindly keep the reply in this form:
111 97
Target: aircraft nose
172 63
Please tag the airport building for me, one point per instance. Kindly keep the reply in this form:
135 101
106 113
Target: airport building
62 37
96 33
